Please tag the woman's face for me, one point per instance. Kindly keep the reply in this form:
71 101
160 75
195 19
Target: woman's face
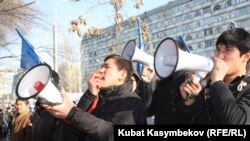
21 107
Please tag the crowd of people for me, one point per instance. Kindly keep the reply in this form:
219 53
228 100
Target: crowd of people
117 95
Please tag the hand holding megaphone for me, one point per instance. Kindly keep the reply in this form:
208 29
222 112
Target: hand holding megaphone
60 111
148 73
220 69
190 88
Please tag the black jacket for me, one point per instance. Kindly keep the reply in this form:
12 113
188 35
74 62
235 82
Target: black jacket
166 98
118 106
220 104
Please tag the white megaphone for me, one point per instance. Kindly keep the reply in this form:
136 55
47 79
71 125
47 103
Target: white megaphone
37 82
133 53
169 59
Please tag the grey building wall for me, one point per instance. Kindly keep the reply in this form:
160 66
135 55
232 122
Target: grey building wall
200 22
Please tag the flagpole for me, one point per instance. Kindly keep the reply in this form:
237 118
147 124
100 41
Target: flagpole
55 46
141 44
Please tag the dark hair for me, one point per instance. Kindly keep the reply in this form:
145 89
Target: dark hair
122 63
237 37
180 45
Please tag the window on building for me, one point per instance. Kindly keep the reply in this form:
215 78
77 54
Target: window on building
190 47
218 29
210 53
153 18
231 25
229 3
131 25
229 15
206 10
155 35
240 1
178 18
111 49
147 47
179 28
197 13
244 22
217 7
243 11
187 16
199 45
207 21
198 23
217 19
189 37
209 43
160 34
188 6
155 45
198 2
166 33
208 31
170 22
199 34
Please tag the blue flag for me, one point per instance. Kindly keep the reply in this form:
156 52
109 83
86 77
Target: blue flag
182 41
29 58
141 45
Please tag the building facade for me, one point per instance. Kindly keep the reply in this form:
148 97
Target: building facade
200 22
6 89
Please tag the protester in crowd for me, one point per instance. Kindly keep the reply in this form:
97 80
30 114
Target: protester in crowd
11 116
144 84
1 123
225 99
5 119
166 97
108 101
22 126
43 120
10 113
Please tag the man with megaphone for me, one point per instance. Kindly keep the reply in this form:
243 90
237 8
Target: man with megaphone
225 99
111 85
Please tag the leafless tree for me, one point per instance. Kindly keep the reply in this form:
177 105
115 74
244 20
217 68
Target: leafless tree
17 14
69 69
118 5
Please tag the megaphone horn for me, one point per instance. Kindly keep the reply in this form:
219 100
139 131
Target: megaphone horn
133 53
169 59
36 82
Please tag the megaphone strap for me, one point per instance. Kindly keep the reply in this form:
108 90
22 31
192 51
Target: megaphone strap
94 104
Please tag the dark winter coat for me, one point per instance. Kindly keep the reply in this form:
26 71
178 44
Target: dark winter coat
220 103
118 106
166 98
